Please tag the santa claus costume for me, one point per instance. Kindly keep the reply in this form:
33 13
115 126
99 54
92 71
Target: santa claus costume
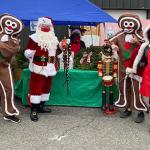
42 54
10 28
128 42
144 50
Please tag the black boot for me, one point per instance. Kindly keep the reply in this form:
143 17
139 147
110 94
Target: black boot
33 114
111 107
42 109
103 101
125 114
139 118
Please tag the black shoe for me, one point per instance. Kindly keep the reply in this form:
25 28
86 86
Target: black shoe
44 110
125 114
139 118
12 119
34 116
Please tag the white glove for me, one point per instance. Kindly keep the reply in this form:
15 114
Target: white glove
4 38
115 55
115 47
129 70
29 54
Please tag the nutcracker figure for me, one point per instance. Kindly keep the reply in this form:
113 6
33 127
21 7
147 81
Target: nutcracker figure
107 70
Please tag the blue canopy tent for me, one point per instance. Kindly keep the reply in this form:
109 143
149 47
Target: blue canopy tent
63 12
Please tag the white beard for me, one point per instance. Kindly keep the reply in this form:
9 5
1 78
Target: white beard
47 40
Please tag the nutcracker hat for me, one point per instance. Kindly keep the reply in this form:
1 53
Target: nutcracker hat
107 50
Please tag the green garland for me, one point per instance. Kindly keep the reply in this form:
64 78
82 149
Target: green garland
22 62
94 58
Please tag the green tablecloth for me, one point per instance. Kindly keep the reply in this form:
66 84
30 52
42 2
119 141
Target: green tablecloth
85 89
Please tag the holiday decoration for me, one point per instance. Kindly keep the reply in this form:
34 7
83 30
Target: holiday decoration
87 58
128 42
66 52
10 28
107 70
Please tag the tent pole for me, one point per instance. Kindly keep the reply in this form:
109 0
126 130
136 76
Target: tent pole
91 35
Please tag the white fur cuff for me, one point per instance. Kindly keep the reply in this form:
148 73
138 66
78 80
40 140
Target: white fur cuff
45 97
35 99
46 71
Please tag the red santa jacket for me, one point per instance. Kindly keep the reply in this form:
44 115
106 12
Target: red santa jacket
41 61
130 61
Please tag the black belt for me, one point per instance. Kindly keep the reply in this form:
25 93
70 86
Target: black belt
44 59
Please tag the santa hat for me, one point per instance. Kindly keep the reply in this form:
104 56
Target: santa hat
146 33
45 20
142 48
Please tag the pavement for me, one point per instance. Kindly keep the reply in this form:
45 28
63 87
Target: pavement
74 128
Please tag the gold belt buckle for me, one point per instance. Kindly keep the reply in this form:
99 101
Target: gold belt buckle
43 58
49 59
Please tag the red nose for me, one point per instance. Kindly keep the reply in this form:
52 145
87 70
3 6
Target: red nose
9 27
129 27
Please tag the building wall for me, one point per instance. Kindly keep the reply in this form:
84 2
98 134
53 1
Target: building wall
116 13
122 4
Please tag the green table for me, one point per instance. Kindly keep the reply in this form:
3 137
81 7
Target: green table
85 89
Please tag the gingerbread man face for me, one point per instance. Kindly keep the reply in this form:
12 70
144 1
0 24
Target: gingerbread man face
10 25
129 23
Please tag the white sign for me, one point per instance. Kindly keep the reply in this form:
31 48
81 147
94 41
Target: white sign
33 25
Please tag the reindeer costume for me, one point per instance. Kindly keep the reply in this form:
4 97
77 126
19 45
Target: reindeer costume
10 28
128 42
